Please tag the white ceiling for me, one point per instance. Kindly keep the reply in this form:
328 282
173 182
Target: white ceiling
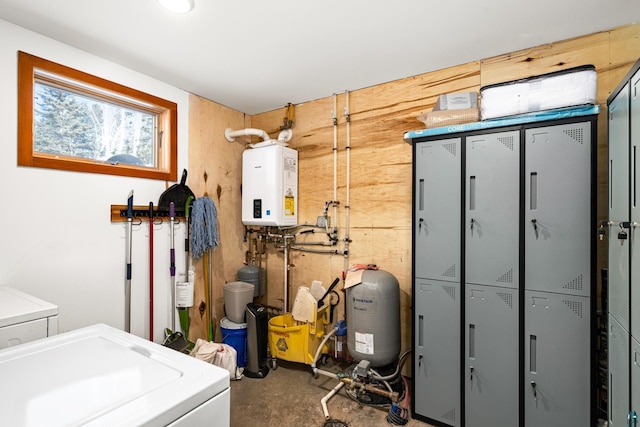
258 55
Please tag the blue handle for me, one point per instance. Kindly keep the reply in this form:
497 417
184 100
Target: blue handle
172 210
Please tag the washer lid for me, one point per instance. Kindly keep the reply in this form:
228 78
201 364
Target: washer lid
18 307
102 376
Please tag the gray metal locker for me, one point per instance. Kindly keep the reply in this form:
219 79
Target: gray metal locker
558 209
436 354
557 382
492 369
492 209
619 207
437 208
618 395
634 117
635 375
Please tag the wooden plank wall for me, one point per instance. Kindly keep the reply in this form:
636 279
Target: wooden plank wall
215 170
380 161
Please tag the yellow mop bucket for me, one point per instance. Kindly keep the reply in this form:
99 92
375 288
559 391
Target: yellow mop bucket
297 341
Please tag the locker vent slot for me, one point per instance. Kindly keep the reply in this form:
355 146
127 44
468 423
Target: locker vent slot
576 284
506 277
506 297
507 142
624 311
450 272
451 291
574 306
451 416
450 147
533 352
472 341
420 330
577 134
472 193
421 195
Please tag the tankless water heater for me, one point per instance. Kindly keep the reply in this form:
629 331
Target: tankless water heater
270 186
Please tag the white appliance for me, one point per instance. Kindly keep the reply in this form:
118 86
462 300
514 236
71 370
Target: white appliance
270 186
102 376
25 318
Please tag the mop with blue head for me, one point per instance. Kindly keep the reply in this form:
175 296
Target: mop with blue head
204 238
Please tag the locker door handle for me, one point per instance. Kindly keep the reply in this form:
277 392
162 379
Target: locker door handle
535 392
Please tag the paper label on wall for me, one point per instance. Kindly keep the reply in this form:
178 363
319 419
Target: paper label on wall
364 343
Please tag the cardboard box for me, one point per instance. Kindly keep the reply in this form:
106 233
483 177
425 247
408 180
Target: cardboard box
436 119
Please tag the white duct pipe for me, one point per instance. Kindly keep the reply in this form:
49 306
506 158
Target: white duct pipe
285 135
231 134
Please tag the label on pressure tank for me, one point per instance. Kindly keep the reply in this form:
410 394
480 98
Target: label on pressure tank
364 343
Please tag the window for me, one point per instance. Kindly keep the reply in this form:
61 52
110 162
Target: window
71 120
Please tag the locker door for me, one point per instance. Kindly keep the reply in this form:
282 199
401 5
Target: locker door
558 207
619 207
618 390
634 243
491 219
437 208
436 354
635 375
557 360
492 353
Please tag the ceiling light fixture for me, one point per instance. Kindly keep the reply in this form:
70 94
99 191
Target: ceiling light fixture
177 6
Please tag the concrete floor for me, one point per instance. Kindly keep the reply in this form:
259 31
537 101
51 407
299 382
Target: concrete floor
289 396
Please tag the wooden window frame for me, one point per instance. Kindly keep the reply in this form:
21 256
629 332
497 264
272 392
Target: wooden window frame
29 67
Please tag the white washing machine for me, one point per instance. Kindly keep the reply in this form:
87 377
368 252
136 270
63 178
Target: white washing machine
102 376
25 318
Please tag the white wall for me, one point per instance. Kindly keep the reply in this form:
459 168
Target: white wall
58 241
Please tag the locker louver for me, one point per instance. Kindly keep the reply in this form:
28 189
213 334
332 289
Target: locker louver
506 297
577 134
451 416
451 291
507 142
450 147
574 306
576 284
506 277
450 272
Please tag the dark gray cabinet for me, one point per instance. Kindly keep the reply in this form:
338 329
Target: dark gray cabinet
624 250
504 273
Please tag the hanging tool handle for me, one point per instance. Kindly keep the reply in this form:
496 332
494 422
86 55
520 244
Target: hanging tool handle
187 215
172 251
130 206
333 285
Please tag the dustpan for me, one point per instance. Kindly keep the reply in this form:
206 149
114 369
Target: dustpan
177 193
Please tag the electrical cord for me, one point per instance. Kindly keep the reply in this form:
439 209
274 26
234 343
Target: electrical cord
397 416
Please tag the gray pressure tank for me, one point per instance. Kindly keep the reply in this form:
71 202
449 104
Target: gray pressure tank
373 318
255 275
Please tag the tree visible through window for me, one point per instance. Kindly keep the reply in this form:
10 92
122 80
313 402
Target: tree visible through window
79 126
71 120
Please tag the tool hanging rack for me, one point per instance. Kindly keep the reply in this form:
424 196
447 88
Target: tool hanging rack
119 213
